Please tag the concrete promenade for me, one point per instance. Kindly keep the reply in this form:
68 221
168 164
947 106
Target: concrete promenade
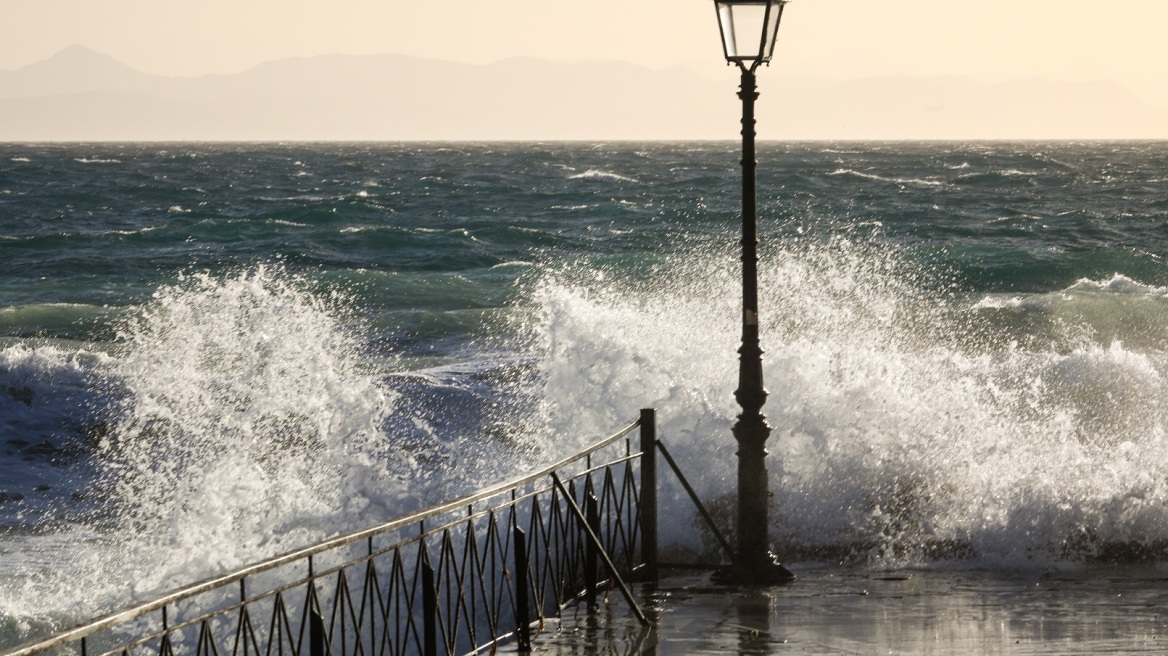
845 611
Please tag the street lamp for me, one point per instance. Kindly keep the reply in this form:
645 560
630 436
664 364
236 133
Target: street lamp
749 29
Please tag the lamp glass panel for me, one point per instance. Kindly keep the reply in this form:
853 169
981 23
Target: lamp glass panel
743 30
772 28
726 22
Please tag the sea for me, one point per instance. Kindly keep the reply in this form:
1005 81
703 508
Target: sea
214 353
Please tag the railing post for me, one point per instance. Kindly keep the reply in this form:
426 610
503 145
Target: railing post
315 633
429 611
522 612
648 503
591 555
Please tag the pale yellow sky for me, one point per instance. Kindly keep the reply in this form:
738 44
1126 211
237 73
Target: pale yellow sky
1122 40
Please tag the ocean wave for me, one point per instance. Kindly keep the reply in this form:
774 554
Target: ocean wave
48 410
1117 284
905 433
20 159
1088 314
59 321
139 231
999 302
96 160
1016 217
12 309
975 176
901 181
595 174
26 363
242 423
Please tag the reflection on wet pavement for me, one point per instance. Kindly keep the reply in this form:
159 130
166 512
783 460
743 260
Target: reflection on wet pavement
842 611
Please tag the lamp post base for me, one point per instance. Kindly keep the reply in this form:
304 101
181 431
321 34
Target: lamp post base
768 572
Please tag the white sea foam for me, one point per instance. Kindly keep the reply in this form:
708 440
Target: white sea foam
1117 284
594 174
998 302
139 231
880 178
96 160
904 431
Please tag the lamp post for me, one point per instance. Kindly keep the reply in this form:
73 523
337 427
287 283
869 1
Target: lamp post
749 29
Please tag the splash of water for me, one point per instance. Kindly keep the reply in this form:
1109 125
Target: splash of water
248 419
910 424
247 426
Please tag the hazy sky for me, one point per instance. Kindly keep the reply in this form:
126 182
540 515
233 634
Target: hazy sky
1121 40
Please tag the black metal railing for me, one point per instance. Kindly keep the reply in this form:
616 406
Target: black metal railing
461 577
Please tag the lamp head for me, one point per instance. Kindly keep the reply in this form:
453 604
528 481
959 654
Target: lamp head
749 30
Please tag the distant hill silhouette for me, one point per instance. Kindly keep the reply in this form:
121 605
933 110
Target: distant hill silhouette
79 94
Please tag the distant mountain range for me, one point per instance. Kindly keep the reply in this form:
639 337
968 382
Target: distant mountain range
79 94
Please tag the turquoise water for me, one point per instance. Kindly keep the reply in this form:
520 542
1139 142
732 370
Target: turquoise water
213 353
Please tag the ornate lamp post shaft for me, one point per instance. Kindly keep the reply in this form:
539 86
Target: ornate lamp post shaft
749 29
751 430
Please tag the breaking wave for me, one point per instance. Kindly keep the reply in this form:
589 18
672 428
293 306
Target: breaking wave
909 427
235 419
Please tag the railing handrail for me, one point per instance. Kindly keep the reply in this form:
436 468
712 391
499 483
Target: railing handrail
142 608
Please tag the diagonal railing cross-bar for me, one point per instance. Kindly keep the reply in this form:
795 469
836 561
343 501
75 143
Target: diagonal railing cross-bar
595 541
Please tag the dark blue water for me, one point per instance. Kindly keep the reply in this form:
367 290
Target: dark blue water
211 353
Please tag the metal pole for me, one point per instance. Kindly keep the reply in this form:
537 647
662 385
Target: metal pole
753 560
429 610
591 557
315 633
522 610
648 503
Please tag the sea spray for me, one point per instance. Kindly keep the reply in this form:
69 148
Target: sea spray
906 429
248 427
244 425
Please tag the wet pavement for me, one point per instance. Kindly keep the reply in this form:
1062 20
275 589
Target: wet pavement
841 611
